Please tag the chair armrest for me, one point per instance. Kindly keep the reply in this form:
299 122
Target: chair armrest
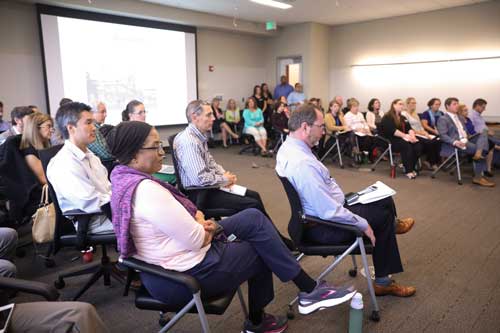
346 227
76 212
190 282
32 287
200 188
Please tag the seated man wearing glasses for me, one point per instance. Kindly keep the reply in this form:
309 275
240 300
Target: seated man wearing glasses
322 197
197 167
76 174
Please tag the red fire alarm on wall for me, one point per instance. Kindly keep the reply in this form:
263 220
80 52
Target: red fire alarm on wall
211 68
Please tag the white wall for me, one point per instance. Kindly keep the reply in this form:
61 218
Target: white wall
462 32
238 64
309 40
21 71
237 58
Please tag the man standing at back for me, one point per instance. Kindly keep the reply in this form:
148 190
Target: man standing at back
323 198
296 97
197 166
282 89
76 174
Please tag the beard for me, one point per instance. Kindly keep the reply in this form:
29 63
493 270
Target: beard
312 141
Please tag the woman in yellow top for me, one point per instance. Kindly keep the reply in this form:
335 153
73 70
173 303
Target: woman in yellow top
232 113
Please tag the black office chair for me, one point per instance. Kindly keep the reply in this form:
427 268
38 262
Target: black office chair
31 287
145 301
22 189
65 236
198 194
340 251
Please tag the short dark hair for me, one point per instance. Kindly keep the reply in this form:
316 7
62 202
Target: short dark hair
1 104
371 103
65 100
69 114
479 102
432 101
305 113
449 100
19 112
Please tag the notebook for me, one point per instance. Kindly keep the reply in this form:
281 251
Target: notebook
372 193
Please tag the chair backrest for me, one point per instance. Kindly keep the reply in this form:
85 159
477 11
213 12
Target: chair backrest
295 225
63 225
175 163
18 179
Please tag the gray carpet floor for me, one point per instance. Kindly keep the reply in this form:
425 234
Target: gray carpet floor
451 256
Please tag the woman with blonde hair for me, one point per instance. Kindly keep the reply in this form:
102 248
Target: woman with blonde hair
38 128
220 123
431 144
232 114
354 120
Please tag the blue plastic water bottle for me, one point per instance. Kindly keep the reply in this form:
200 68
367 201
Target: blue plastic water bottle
356 314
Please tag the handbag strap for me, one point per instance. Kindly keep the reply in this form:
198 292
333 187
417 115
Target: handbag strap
44 200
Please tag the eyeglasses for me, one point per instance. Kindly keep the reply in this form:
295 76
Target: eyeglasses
320 126
158 148
49 127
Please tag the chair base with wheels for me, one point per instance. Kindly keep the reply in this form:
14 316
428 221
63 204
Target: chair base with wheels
339 251
145 301
103 269
65 236
251 147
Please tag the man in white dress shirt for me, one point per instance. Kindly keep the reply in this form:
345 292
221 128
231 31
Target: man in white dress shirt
76 174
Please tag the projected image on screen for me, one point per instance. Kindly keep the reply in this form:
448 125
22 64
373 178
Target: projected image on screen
91 61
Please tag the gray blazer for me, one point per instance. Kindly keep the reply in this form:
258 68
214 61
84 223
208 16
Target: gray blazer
448 133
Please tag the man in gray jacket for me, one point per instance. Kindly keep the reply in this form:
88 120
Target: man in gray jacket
453 135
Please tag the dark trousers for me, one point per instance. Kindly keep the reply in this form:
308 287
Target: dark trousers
216 198
410 152
380 215
366 143
431 149
256 254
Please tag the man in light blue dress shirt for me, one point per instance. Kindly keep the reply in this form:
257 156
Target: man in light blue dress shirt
322 197
296 97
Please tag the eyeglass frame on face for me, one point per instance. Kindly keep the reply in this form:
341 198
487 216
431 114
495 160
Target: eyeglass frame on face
159 148
50 127
323 127
140 113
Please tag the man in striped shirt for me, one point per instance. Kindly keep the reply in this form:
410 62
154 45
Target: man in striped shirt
197 166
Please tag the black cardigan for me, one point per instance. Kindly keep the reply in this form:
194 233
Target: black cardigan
388 126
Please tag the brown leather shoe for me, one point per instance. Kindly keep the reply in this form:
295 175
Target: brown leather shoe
481 181
394 289
404 225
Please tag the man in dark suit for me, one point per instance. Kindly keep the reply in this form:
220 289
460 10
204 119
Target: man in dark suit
453 135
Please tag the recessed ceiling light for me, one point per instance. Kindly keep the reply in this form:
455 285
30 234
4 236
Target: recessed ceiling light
273 3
